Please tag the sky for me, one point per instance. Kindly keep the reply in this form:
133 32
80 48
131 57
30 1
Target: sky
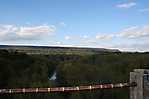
115 24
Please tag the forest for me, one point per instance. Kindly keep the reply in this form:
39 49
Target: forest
19 70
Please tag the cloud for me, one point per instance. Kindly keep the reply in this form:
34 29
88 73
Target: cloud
35 30
68 37
133 47
134 38
87 38
126 5
104 37
75 37
58 43
62 24
134 32
144 10
12 32
5 29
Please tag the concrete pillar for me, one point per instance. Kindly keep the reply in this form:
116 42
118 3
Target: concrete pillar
141 77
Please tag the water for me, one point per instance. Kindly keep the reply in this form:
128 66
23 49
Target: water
53 77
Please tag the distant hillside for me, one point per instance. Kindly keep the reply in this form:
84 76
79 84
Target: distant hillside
55 50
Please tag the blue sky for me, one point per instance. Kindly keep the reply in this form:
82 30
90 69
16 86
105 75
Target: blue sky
120 24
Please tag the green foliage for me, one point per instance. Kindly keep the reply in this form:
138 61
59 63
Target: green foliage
102 68
18 70
21 70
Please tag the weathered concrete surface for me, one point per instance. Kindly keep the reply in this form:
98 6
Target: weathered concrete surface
141 77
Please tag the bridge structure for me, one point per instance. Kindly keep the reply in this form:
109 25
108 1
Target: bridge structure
138 84
66 89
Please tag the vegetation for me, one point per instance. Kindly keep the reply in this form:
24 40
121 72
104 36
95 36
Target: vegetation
21 70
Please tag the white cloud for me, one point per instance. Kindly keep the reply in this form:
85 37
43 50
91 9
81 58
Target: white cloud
144 10
35 30
104 37
90 41
86 38
75 37
134 38
67 37
11 32
126 5
134 32
5 29
133 47
58 43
